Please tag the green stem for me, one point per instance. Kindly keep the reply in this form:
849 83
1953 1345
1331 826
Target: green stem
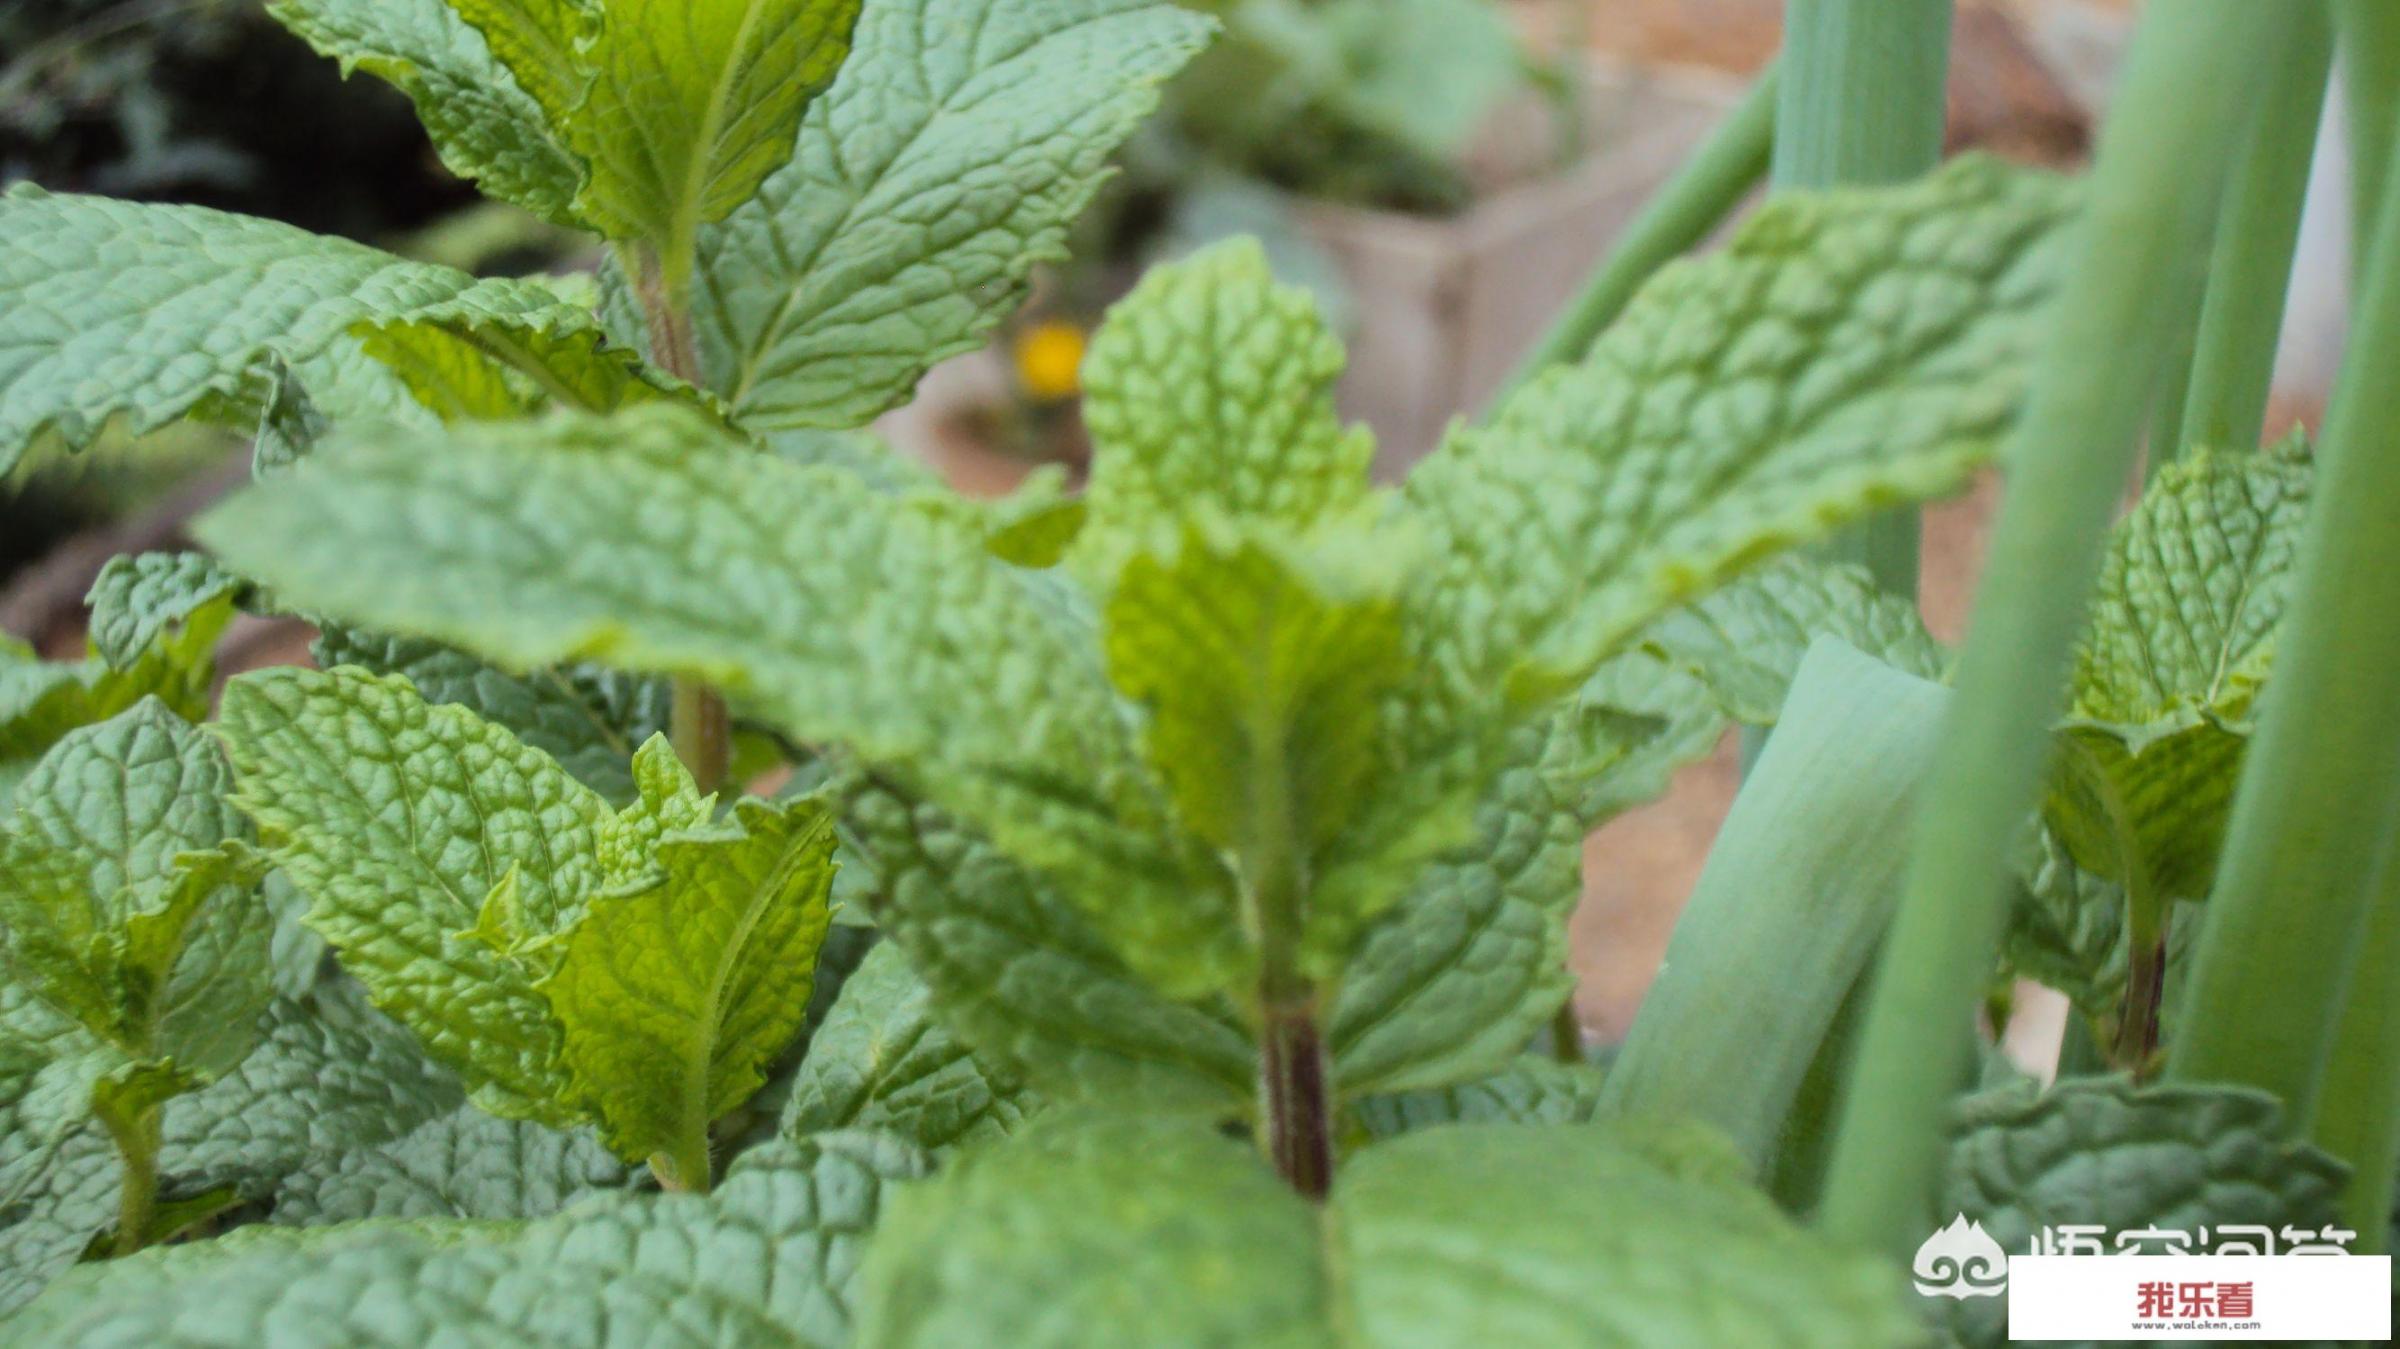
699 726
701 731
1862 103
2370 44
2358 1114
1696 200
2145 225
2250 268
2320 785
137 1141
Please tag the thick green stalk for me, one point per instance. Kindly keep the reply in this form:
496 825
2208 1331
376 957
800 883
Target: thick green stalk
2250 267
2320 786
2370 43
1796 894
2145 224
1697 199
2358 1113
1862 103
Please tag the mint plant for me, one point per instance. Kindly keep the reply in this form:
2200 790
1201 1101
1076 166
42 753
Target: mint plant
1155 907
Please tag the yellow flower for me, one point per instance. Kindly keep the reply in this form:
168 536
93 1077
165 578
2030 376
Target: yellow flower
1047 356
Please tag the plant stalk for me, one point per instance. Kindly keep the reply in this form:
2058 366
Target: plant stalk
2358 1114
699 725
1299 1114
702 732
2144 232
2320 784
2250 268
1863 102
2370 44
1703 192
137 1141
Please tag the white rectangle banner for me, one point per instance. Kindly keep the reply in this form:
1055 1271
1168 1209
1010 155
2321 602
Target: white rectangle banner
2200 1297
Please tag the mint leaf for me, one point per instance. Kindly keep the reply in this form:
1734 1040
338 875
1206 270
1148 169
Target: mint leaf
689 107
589 719
399 819
1457 976
1017 972
1533 1090
824 626
470 367
1846 351
2169 1156
311 1090
314 1090
149 312
1745 641
2181 638
139 596
883 1061
1264 685
489 118
1080 1222
40 701
1209 389
464 1164
120 908
768 1258
903 227
674 992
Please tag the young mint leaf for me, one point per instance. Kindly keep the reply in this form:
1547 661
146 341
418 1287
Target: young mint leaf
1080 1222
1210 389
41 701
466 367
589 719
1264 685
1533 1090
464 1164
138 596
882 1060
689 107
490 118
542 42
674 992
768 1258
1845 352
399 819
146 312
113 870
2171 1156
2181 637
904 226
